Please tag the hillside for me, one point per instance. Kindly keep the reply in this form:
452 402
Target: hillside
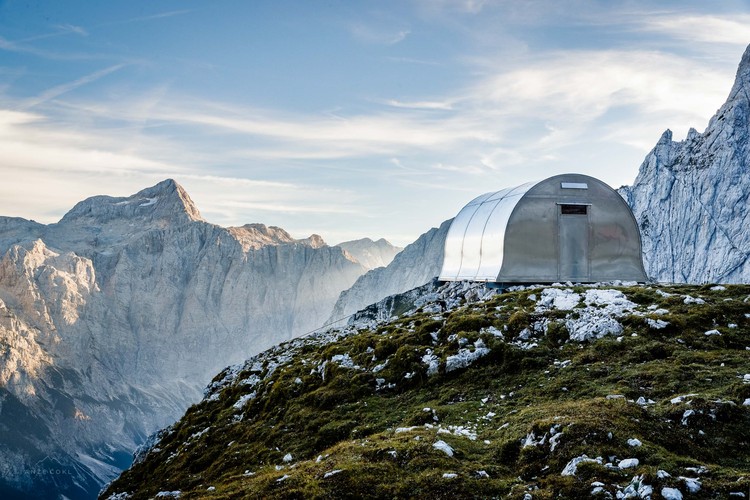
557 392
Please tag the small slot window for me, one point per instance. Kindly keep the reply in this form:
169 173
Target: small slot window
574 209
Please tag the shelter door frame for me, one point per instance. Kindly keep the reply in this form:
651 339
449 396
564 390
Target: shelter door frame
574 237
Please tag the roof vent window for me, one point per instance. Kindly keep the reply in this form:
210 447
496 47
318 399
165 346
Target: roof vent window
574 185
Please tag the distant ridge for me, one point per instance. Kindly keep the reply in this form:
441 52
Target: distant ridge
415 265
369 253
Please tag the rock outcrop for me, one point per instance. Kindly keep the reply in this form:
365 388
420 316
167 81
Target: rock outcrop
691 197
114 318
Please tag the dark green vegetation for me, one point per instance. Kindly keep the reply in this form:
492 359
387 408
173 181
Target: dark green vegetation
326 425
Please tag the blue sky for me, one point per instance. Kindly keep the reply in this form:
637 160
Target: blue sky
346 118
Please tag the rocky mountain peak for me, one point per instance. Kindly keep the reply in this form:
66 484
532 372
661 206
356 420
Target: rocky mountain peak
314 240
135 300
166 201
731 121
174 194
743 71
690 197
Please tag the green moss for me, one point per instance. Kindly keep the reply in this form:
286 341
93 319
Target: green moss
584 392
461 322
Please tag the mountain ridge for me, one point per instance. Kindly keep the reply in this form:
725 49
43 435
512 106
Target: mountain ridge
371 254
413 266
168 200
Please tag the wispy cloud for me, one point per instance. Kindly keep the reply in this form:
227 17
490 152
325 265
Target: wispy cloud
583 85
379 35
703 28
461 169
289 208
35 150
70 86
152 17
512 117
442 105
507 122
62 30
308 135
21 48
411 60
467 6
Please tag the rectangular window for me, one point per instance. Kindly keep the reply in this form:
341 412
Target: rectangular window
574 209
574 185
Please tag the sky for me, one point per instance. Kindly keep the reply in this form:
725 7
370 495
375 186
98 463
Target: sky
346 118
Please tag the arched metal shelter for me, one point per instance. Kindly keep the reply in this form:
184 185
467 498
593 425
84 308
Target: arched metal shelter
569 227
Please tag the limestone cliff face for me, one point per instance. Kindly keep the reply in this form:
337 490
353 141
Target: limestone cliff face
113 320
691 197
414 266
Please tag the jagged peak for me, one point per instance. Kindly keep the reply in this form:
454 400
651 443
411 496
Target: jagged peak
381 242
166 201
173 193
741 86
743 71
739 96
666 137
360 240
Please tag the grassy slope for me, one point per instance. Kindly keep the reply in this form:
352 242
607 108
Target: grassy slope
502 398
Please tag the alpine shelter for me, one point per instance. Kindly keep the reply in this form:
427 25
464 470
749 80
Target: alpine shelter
569 227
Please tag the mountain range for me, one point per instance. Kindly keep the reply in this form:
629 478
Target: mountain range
113 319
